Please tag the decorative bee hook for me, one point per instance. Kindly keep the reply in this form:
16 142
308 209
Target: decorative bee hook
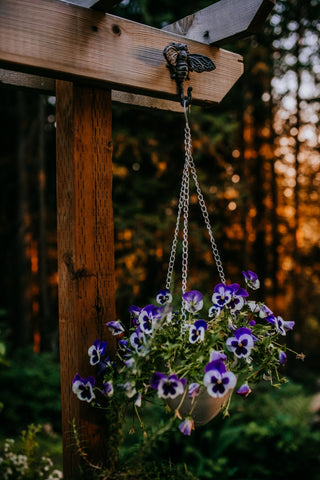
180 62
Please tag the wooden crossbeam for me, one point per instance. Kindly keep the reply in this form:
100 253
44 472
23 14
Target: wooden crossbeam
223 21
101 5
60 40
36 83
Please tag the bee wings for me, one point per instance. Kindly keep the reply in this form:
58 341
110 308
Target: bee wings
200 63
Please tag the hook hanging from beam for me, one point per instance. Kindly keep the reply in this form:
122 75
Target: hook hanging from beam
180 62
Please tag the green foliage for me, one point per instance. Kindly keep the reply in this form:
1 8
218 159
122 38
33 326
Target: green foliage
23 460
268 435
32 393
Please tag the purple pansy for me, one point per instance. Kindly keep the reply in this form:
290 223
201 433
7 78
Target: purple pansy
241 343
115 327
282 326
149 318
193 390
217 379
168 387
244 390
193 301
186 426
138 340
96 351
83 388
163 297
282 357
107 388
134 314
222 295
267 314
214 311
251 279
217 356
197 331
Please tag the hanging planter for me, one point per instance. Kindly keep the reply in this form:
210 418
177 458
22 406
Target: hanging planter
191 358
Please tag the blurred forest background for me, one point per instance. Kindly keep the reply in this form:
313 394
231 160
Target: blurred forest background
258 160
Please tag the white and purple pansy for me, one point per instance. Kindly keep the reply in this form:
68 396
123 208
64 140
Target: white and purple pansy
282 326
96 351
238 295
192 301
217 379
197 331
251 279
107 389
138 340
241 343
216 356
214 311
267 314
134 314
83 388
221 296
163 297
115 327
149 318
130 389
168 387
193 390
186 426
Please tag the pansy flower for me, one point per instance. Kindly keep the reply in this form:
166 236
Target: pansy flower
214 311
149 317
267 314
217 356
96 351
115 327
217 379
251 279
282 326
193 390
192 301
241 343
222 295
186 426
282 357
168 387
83 388
197 331
130 389
238 295
107 389
134 314
244 390
164 296
138 340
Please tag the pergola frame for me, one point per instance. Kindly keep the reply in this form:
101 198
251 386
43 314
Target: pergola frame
89 58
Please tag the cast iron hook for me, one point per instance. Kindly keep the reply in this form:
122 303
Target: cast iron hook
180 62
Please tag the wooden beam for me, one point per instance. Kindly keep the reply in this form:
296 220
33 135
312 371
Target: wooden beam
9 78
101 5
224 21
85 255
59 40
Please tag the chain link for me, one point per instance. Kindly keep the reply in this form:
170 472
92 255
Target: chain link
183 209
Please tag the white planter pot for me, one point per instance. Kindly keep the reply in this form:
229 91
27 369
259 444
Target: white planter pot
202 409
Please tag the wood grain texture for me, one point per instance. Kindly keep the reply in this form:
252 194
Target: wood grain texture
59 40
10 78
101 5
85 253
224 21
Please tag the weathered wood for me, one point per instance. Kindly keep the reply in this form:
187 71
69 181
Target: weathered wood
85 253
56 39
9 78
224 21
101 5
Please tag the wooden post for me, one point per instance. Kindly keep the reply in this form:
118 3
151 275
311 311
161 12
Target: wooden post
85 254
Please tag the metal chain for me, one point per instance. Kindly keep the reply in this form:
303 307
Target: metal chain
183 208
